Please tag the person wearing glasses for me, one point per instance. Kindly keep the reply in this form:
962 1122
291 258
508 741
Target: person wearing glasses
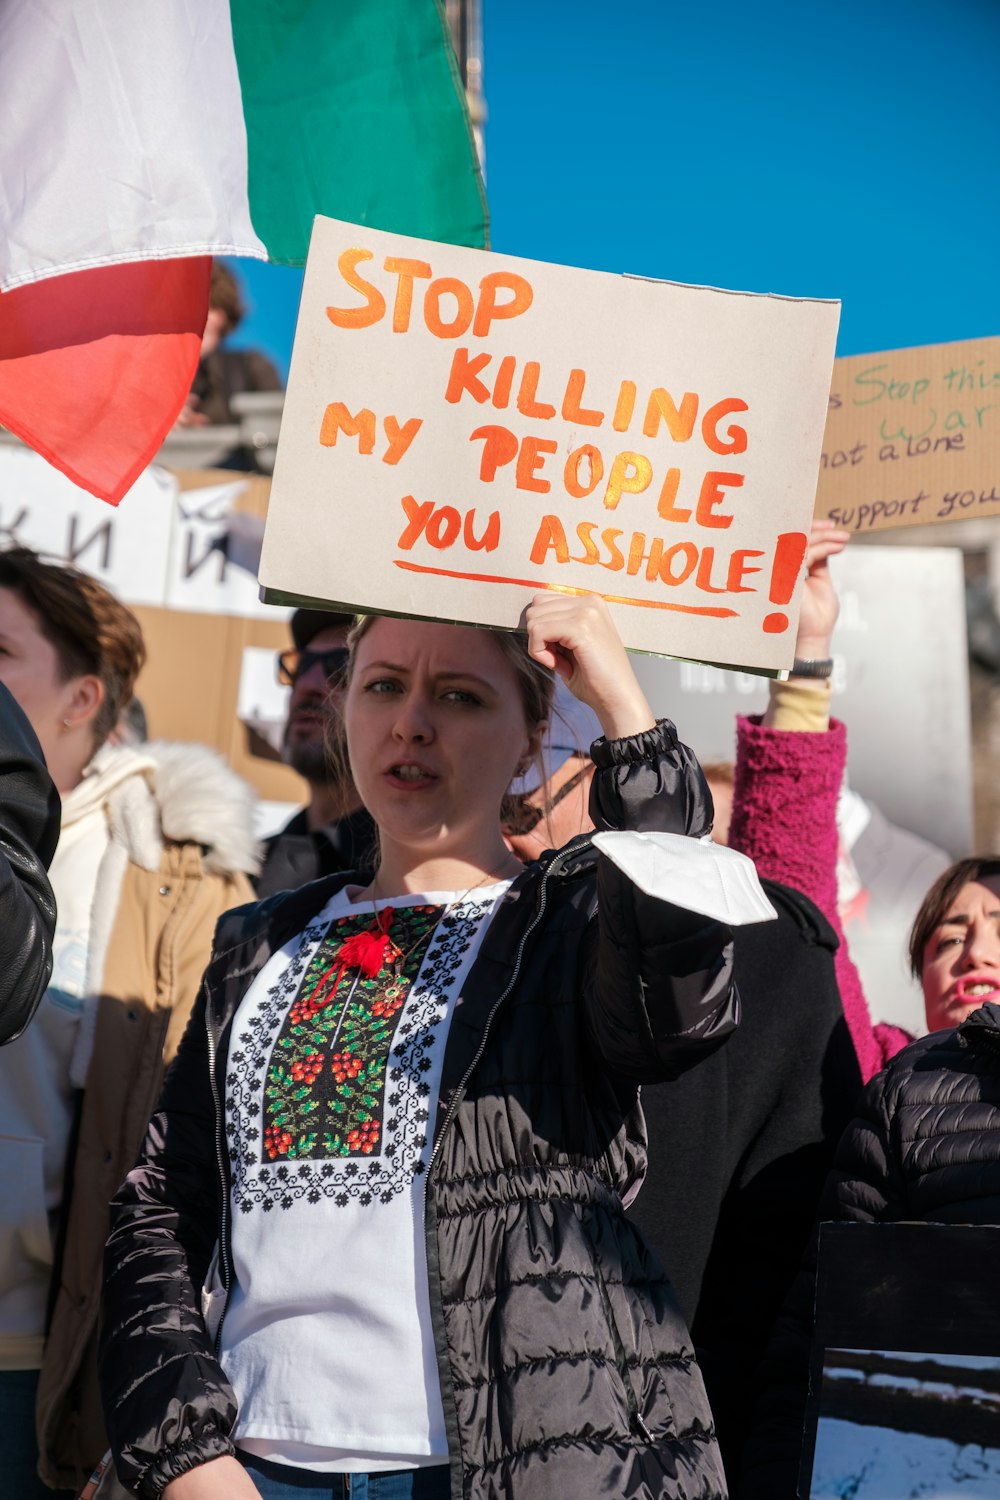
333 832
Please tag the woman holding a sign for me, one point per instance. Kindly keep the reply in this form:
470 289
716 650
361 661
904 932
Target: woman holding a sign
396 1143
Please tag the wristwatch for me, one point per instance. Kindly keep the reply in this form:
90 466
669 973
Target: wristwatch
812 666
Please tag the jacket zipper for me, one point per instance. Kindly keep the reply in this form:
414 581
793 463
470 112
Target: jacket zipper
220 1163
459 1093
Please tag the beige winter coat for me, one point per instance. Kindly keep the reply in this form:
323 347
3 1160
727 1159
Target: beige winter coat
181 850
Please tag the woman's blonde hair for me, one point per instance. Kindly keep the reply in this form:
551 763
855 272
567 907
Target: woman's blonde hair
535 683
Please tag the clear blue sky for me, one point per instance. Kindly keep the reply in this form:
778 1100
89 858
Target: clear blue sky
848 150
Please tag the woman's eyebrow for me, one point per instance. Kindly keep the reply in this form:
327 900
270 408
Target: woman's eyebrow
460 676
962 919
452 675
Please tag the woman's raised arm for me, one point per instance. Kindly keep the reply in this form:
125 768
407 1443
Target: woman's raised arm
658 989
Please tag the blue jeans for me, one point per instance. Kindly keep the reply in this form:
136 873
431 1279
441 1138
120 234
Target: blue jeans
19 1456
277 1482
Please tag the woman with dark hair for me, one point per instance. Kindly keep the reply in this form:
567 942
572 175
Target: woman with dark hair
949 935
155 845
395 1146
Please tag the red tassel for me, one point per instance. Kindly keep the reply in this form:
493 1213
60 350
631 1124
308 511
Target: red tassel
367 949
364 950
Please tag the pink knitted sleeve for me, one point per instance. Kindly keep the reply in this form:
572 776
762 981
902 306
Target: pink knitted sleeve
785 818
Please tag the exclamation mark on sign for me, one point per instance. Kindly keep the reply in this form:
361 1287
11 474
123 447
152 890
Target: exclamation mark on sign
789 555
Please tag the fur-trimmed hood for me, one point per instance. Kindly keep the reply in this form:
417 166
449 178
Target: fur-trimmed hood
181 793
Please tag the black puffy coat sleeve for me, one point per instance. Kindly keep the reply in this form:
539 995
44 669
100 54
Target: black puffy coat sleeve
658 986
865 1186
167 1404
29 832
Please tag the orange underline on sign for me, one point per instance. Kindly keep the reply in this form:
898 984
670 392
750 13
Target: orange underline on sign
567 588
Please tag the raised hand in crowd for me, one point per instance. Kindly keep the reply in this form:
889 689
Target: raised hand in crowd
820 608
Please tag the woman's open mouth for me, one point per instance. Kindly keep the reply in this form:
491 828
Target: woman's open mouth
411 775
976 987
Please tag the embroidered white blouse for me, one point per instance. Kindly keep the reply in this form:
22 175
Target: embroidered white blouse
331 1093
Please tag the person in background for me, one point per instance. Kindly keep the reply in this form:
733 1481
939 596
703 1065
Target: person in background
155 845
29 831
332 832
430 1076
550 803
224 373
787 790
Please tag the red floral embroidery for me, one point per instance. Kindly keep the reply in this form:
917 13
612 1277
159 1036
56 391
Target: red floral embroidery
343 1065
314 1109
363 1139
305 1069
277 1141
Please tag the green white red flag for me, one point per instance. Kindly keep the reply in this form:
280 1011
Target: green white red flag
145 137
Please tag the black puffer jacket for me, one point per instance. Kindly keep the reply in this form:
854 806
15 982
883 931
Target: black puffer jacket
924 1147
566 1368
926 1143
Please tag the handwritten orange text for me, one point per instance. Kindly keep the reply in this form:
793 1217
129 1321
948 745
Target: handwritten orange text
469 377
449 307
628 473
362 424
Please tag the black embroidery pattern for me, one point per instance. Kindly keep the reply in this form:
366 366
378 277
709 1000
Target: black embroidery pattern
331 1100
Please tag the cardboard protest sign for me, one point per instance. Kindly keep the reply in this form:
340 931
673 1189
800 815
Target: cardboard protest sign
905 1387
462 429
913 437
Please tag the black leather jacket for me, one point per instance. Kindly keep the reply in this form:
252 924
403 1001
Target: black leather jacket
29 832
565 1365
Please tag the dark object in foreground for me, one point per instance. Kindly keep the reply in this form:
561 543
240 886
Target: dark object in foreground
29 832
878 1299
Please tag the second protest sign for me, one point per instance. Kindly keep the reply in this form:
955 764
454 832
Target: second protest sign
913 437
463 429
